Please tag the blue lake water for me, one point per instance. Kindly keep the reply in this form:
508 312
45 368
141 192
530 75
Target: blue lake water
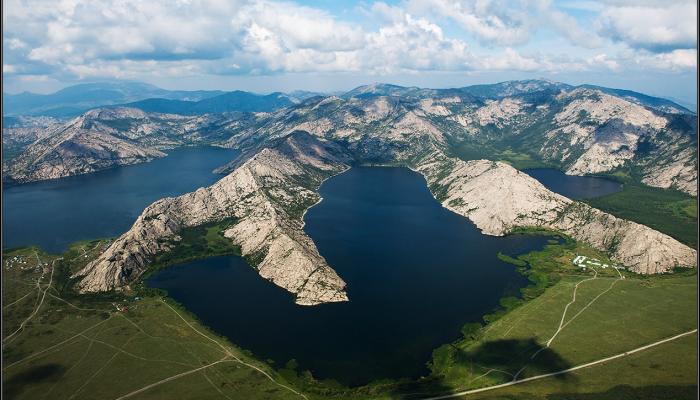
416 273
53 214
574 187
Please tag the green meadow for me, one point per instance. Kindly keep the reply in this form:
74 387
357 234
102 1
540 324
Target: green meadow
139 344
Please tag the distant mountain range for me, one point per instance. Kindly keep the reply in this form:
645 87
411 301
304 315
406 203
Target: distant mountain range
505 89
228 102
75 100
583 130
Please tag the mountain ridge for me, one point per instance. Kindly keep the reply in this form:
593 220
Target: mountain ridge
268 194
91 95
77 99
226 102
580 130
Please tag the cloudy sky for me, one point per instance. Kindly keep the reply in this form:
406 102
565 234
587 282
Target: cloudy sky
262 45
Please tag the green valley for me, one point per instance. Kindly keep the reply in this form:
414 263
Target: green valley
669 211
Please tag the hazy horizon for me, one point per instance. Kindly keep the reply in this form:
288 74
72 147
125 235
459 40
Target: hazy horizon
680 100
264 46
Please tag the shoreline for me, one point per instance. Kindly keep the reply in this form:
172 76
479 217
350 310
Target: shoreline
140 288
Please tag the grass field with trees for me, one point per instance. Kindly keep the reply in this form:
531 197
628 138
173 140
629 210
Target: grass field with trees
669 211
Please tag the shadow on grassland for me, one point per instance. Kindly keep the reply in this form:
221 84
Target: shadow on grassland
622 392
512 354
625 392
18 383
503 355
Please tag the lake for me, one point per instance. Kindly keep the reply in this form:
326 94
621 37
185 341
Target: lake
53 214
574 187
416 273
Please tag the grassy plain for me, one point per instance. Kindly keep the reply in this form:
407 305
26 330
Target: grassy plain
71 346
197 242
83 347
666 372
611 314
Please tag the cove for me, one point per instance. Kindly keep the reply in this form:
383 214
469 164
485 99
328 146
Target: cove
416 273
52 214
572 186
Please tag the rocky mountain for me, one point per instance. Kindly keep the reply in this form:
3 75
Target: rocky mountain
105 138
384 89
75 149
268 191
469 189
657 103
515 88
266 196
20 132
581 130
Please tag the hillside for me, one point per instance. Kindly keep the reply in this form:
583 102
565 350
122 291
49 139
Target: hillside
596 330
580 130
265 195
109 137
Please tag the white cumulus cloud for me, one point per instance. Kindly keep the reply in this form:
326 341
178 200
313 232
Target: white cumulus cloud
661 26
76 39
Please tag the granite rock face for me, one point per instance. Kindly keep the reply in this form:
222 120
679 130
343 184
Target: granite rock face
581 130
498 198
266 197
286 154
77 147
106 138
597 133
268 193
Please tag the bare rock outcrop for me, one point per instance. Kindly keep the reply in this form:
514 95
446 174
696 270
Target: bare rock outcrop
266 197
498 198
268 189
76 148
80 153
581 130
110 137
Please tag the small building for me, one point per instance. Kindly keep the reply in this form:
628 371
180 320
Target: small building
578 260
583 262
